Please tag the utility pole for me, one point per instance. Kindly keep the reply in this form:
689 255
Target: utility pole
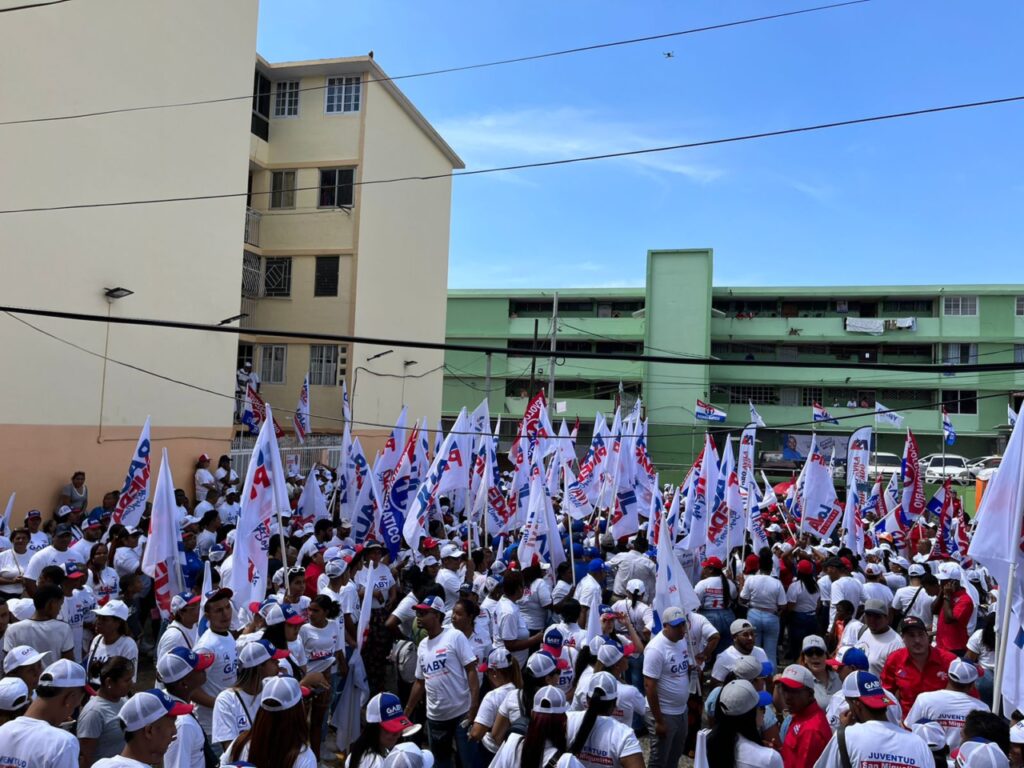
554 343
533 359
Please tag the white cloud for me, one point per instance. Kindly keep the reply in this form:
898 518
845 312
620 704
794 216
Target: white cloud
536 135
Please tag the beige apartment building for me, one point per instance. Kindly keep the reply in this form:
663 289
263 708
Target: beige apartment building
330 249
64 407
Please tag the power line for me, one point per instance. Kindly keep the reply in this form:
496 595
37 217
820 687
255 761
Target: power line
694 431
458 347
552 163
447 70
35 5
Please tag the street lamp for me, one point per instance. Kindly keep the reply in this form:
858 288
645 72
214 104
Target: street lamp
379 354
113 294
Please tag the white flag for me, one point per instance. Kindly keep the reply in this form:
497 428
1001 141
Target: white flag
821 512
884 415
448 471
6 531
1011 417
363 627
755 417
207 587
312 505
301 418
853 523
135 491
532 544
264 496
745 457
164 551
671 585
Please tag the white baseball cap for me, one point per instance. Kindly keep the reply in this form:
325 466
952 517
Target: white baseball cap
146 707
63 673
335 568
408 755
609 654
1017 733
549 700
281 693
874 569
636 585
797 676
814 641
21 656
13 694
931 732
255 653
116 608
179 662
738 697
916 570
978 754
962 672
434 603
607 684
22 608
541 664
739 625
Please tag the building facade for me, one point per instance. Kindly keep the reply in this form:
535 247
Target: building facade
679 313
330 250
64 407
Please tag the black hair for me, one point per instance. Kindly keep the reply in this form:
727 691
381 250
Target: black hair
595 708
584 659
208 517
368 741
512 582
323 524
564 569
988 632
327 605
570 610
810 583
544 729
531 685
765 561
45 595
274 634
115 668
53 574
471 608
721 743
634 596
984 724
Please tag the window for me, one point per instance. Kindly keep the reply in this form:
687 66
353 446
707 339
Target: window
963 306
336 187
272 363
960 400
342 94
244 354
286 99
758 394
1018 353
323 365
617 347
260 126
325 283
282 189
959 354
277 277
908 306
810 395
1020 306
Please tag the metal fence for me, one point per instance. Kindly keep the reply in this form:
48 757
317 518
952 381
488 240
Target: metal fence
318 449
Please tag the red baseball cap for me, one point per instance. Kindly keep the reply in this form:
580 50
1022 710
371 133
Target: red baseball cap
712 562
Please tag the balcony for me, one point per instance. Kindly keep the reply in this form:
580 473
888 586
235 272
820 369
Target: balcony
252 226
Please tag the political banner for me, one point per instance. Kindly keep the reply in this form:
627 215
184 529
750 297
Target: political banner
135 490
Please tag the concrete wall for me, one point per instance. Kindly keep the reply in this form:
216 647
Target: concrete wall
60 412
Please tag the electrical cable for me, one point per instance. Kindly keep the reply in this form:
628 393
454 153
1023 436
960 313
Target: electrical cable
553 163
447 70
36 5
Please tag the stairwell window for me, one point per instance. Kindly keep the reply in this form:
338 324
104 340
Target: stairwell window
323 365
960 306
272 363
336 188
282 189
343 94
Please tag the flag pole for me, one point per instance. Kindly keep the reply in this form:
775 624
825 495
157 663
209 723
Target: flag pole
1004 620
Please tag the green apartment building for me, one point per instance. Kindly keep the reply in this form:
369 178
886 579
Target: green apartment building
680 313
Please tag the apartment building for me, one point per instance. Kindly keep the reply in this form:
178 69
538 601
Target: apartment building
64 406
329 249
679 313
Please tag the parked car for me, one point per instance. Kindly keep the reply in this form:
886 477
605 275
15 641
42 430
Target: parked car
951 466
884 464
985 462
924 461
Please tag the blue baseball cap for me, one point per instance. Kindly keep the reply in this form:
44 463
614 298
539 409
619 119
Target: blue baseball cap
591 552
866 687
848 656
94 520
595 566
577 549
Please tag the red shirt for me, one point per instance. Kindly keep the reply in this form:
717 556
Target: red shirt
952 635
313 572
901 675
806 738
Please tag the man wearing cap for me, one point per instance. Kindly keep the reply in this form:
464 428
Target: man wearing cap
56 553
450 576
43 630
217 640
846 661
743 639
148 719
954 608
182 672
917 668
510 629
950 707
874 586
36 740
632 564
667 686
880 640
183 631
78 604
873 740
590 588
92 532
38 539
446 674
915 599
808 731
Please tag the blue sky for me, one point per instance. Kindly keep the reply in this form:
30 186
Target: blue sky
934 199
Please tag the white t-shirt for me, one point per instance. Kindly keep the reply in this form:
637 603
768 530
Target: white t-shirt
203 477
126 560
441 665
233 711
12 566
878 744
628 702
763 593
221 674
922 606
405 614
450 581
124 646
608 743
305 758
26 742
803 601
229 512
895 581
845 588
186 751
382 584
488 710
560 591
53 637
75 612
534 604
825 588
509 625
320 645
106 587
872 590
669 663
949 709
751 755
878 648
47 556
986 656
37 541
511 752
727 658
588 591
177 635
709 592
118 761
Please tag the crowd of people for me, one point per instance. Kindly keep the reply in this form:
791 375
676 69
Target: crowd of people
803 654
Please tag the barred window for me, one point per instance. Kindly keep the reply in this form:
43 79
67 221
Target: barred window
277 276
325 283
960 400
810 395
758 394
272 363
323 365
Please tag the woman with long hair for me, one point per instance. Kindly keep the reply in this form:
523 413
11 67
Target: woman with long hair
981 649
764 595
595 736
386 723
323 641
802 607
279 737
717 595
735 739
235 708
464 619
545 735
501 672
814 656
99 732
112 639
541 669
99 576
